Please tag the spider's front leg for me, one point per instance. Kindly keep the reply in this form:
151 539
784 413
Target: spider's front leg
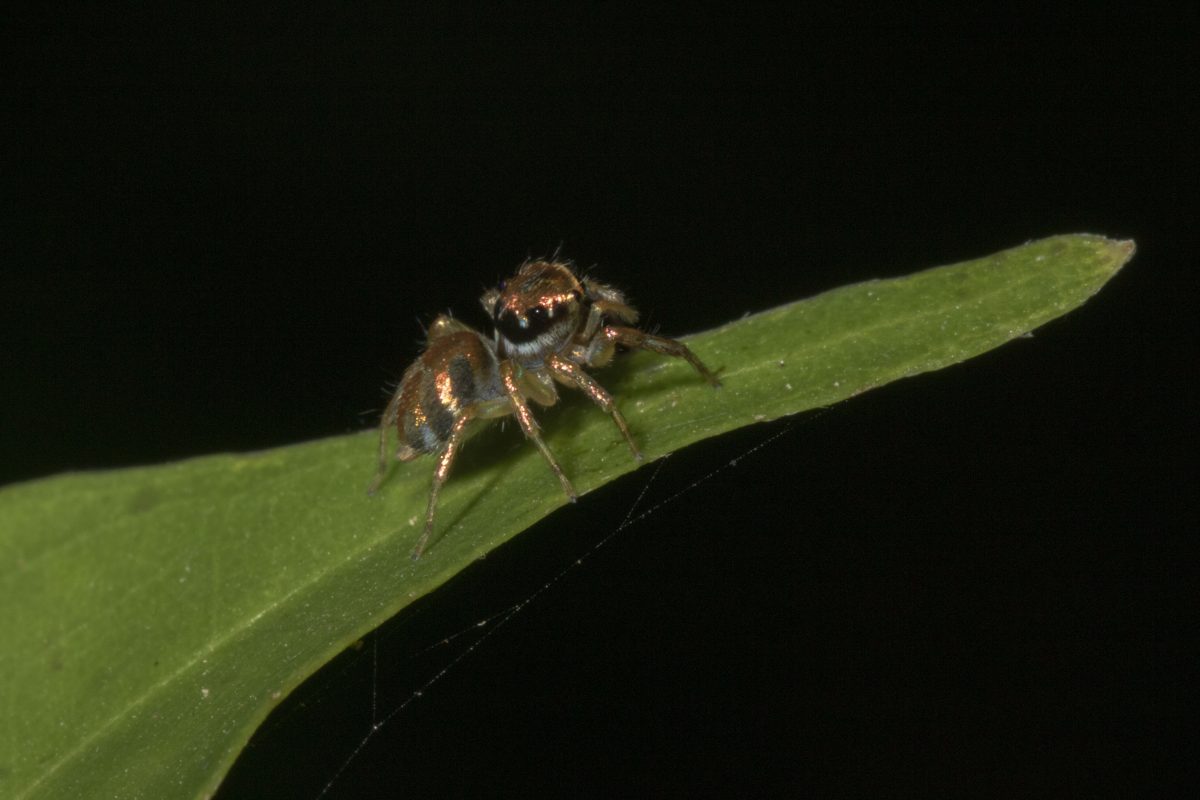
613 307
573 375
613 335
529 426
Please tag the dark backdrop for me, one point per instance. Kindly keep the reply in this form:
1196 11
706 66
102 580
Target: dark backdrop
224 233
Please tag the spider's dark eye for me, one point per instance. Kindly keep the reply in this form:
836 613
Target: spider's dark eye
527 327
503 285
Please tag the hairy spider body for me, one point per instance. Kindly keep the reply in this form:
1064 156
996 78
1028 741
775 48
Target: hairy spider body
550 326
457 371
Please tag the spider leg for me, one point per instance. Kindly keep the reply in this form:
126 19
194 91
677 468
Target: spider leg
390 415
632 337
529 425
573 375
607 308
440 473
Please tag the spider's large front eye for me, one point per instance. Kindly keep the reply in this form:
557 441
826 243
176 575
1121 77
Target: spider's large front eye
526 327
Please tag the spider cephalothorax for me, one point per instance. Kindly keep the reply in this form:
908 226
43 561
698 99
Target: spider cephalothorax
537 311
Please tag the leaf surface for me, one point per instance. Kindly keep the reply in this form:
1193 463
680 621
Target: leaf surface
152 617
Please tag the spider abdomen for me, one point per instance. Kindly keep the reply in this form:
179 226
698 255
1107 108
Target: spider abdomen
456 370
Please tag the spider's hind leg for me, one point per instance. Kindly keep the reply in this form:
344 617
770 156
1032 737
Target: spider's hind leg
440 473
390 415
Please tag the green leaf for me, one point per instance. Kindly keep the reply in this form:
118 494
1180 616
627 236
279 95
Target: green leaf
152 617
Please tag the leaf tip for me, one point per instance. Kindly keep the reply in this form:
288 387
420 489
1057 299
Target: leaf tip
1120 251
1112 254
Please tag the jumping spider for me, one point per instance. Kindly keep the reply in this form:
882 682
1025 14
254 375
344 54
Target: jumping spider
550 325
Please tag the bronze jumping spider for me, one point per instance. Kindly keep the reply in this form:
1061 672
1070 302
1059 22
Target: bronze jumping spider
550 326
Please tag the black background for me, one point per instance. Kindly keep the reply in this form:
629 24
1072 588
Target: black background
224 233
